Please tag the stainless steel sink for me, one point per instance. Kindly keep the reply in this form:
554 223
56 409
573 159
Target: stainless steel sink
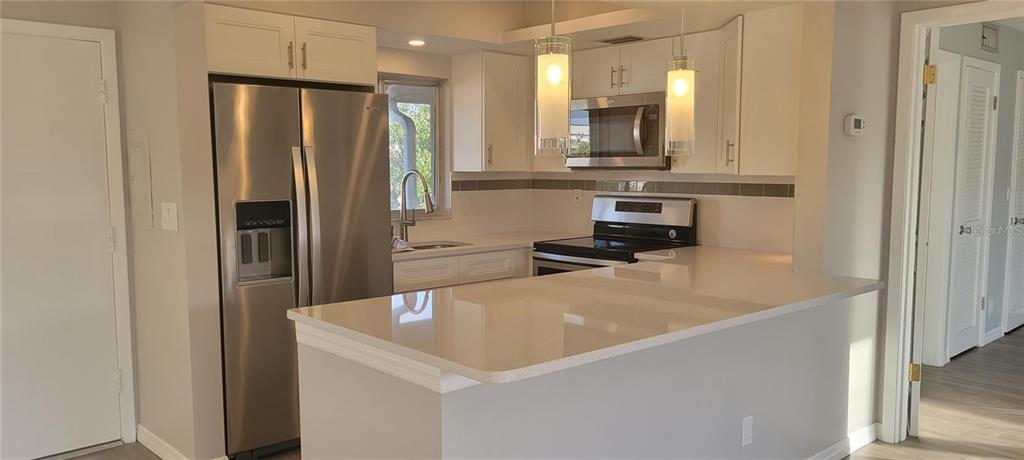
438 244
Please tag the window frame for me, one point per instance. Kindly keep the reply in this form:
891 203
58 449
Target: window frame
442 173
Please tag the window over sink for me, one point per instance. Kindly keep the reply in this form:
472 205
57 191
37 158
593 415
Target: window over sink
414 139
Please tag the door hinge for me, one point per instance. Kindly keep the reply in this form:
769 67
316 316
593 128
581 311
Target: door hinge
930 74
982 303
915 372
103 91
112 239
118 386
995 102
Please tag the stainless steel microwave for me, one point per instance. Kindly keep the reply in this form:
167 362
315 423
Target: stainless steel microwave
625 131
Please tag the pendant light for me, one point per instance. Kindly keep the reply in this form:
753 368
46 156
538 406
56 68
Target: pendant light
551 115
680 86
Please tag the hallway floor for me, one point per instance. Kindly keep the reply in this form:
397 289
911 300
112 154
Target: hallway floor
971 408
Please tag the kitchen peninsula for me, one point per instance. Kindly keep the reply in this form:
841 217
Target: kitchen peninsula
664 358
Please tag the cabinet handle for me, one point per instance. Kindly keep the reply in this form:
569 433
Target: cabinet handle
1017 221
613 77
729 147
291 55
622 77
490 153
304 56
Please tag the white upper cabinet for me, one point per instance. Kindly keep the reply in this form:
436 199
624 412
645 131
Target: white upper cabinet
335 51
595 72
642 66
247 42
632 68
770 105
717 55
492 95
730 45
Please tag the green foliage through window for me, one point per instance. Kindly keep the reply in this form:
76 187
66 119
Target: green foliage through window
419 104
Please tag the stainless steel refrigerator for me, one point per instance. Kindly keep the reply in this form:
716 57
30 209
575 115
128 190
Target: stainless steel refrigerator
304 219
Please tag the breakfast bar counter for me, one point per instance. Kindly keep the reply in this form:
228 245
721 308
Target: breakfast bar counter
560 359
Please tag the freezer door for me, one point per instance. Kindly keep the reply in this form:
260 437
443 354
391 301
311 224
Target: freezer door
345 136
256 131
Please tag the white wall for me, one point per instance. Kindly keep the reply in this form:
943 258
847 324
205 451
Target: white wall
966 40
177 317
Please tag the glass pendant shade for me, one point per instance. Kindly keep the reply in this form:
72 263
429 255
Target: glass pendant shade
551 114
680 86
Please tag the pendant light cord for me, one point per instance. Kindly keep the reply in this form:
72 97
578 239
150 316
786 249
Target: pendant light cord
552 18
682 28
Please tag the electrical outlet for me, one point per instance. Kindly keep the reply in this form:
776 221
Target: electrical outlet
748 431
169 216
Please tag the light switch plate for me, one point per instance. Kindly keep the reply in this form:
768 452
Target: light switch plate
748 431
169 216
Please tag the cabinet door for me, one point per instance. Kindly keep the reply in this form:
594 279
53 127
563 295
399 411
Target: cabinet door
704 50
335 51
506 101
730 45
642 66
246 42
595 72
770 107
487 266
419 274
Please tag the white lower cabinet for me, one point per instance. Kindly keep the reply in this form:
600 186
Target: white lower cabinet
419 274
435 272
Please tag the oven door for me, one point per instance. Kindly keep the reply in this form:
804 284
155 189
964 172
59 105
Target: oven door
549 264
617 132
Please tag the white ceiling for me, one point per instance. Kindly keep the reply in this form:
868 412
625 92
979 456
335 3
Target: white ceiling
590 22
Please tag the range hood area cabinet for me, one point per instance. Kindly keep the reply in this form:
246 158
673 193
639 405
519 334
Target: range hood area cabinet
257 43
633 68
492 116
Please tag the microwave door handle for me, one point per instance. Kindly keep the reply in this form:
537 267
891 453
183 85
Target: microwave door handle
637 141
300 230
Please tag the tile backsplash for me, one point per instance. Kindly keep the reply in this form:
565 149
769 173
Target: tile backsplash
639 186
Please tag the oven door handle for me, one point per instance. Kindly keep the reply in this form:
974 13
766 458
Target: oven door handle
544 256
637 121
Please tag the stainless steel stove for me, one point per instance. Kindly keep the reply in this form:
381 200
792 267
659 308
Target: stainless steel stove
623 227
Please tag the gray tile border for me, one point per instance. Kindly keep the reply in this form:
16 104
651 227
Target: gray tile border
776 190
630 186
752 189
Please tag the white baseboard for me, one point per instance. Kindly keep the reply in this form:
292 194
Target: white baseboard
853 441
158 446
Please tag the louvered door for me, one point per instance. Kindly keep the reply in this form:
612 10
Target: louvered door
1014 297
972 202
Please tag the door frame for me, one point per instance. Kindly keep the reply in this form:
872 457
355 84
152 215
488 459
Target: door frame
899 331
1018 155
116 190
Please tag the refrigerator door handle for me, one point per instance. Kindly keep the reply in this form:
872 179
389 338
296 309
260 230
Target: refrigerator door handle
317 270
301 242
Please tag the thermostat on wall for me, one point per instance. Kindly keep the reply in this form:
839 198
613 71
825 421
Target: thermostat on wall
853 125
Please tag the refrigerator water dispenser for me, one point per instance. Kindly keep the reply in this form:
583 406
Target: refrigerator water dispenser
263 240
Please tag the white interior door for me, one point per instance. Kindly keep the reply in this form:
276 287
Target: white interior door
1014 304
979 83
59 347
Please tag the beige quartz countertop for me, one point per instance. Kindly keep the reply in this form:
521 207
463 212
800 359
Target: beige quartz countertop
514 329
481 243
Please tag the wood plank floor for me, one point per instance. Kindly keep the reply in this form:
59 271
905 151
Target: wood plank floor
971 408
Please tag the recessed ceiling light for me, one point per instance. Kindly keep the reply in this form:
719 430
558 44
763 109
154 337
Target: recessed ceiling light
417 42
